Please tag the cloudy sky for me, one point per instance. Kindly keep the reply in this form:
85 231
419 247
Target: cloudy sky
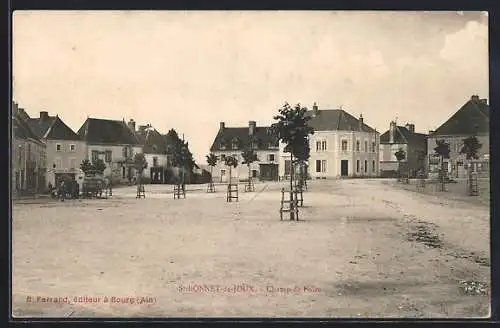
191 70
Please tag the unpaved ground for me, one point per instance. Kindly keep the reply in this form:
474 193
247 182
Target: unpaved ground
364 249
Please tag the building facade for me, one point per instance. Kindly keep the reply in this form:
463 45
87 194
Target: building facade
114 143
405 138
155 152
28 158
341 146
233 141
65 149
472 119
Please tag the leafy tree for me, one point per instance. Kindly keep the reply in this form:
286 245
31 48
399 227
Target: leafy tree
212 161
400 156
231 162
291 129
99 166
470 148
302 158
178 149
442 150
140 164
249 156
86 166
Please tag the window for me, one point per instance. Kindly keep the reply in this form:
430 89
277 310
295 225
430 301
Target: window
318 145
373 147
107 156
366 146
72 163
123 172
254 173
373 166
357 145
320 166
270 157
357 165
95 155
58 147
125 152
366 166
72 147
344 145
323 145
222 172
155 161
222 157
58 163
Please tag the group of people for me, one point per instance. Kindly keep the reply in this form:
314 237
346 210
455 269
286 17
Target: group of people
63 189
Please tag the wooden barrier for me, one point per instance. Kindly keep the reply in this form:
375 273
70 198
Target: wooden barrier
289 205
232 192
140 192
179 190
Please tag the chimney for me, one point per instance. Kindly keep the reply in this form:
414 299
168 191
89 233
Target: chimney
392 132
360 122
251 127
410 127
44 116
131 125
315 110
474 98
222 125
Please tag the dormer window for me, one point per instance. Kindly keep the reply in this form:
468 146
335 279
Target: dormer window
235 143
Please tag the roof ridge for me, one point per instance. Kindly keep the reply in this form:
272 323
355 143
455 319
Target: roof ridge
50 127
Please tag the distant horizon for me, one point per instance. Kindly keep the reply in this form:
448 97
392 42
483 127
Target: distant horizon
189 71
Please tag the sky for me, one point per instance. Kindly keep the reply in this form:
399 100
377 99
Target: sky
191 70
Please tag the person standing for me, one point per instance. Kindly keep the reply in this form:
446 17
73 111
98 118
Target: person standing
62 191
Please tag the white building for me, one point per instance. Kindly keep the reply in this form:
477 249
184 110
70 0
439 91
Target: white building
234 140
114 143
341 146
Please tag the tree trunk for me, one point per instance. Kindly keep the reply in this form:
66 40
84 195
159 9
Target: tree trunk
211 174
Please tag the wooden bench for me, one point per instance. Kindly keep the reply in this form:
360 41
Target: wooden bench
232 192
421 184
472 185
140 191
288 205
179 190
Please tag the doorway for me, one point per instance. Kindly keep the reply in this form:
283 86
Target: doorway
344 168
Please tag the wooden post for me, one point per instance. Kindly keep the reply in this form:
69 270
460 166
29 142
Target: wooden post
289 206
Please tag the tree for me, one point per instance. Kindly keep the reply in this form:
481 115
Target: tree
212 161
99 166
400 156
140 164
442 150
231 162
86 166
249 156
291 129
302 158
470 148
182 157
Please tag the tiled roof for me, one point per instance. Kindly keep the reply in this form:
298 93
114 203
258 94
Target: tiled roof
335 119
52 128
103 131
473 117
402 135
152 140
262 136
21 129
